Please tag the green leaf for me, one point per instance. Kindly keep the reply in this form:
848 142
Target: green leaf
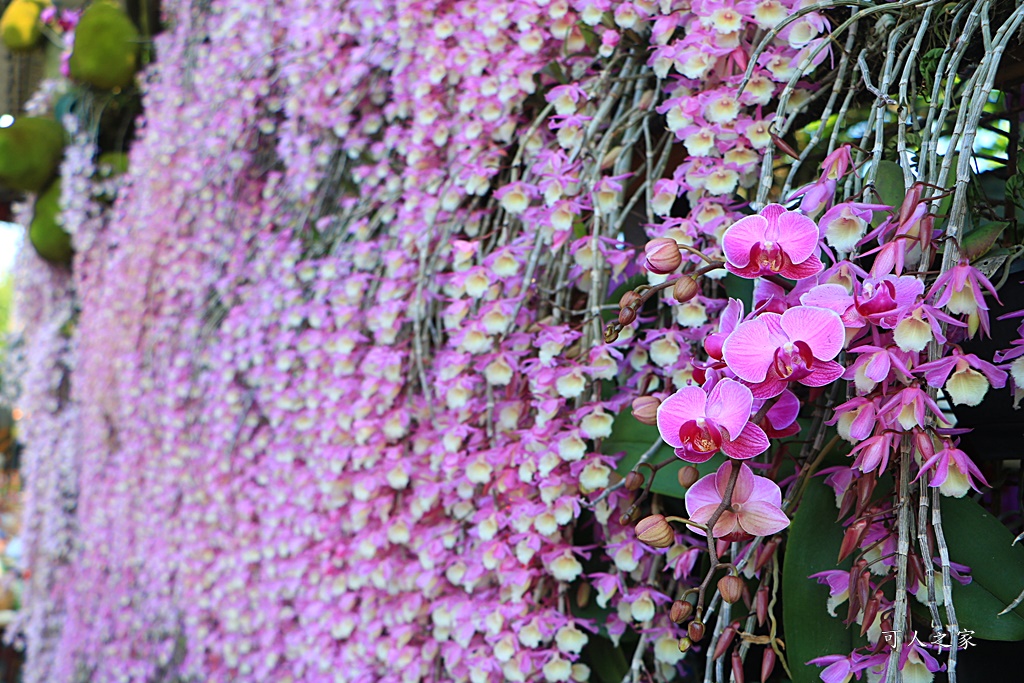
606 660
978 242
813 546
634 439
740 288
889 183
928 65
979 540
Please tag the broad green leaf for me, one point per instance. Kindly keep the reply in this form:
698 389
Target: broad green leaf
740 288
889 183
978 242
813 546
606 661
634 439
979 540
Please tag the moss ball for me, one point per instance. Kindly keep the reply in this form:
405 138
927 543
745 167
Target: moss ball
45 233
106 50
30 152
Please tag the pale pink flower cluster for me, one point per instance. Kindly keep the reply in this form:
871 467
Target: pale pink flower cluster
316 431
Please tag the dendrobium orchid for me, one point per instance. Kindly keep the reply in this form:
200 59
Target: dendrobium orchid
953 472
755 509
966 377
699 424
959 290
774 242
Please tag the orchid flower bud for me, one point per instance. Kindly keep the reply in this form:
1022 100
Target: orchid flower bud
663 255
655 531
645 409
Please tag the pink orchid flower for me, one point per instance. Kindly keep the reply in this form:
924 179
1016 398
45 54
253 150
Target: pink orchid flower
970 380
855 419
875 364
908 407
954 473
797 346
756 508
842 668
699 424
959 290
775 242
873 453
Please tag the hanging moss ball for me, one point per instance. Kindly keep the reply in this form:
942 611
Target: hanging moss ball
112 163
45 233
106 50
30 152
20 25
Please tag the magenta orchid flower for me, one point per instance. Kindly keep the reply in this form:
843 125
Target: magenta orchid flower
959 290
838 582
842 668
756 508
875 364
970 379
855 419
844 224
796 346
775 242
953 471
873 453
908 407
699 424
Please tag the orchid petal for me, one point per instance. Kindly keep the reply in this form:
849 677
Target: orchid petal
766 491
740 237
745 481
877 367
785 411
693 457
761 519
752 441
822 374
801 271
748 351
679 408
703 492
798 235
771 387
729 405
821 328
